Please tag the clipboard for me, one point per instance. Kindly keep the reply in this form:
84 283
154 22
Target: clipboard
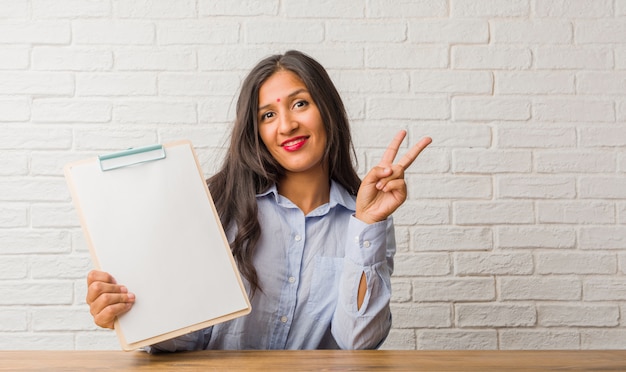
150 221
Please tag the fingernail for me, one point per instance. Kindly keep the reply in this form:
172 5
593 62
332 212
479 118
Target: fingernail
131 297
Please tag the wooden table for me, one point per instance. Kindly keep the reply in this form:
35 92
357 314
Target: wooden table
316 360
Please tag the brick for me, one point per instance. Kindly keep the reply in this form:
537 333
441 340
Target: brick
449 31
149 59
493 263
453 289
421 316
454 135
496 57
620 7
41 32
26 137
51 292
573 58
150 112
13 215
371 82
464 108
15 9
599 31
451 239
574 9
535 82
97 340
396 57
197 84
13 320
443 187
71 111
445 339
621 211
217 109
621 111
576 263
602 187
544 32
38 83
155 9
116 84
12 110
575 212
605 83
238 57
596 315
408 108
536 137
212 136
324 9
53 216
51 163
97 139
540 288
489 161
493 212
543 187
489 8
400 339
539 339
573 110
409 9
603 136
37 341
14 58
71 9
603 288
542 236
620 58
495 315
197 32
62 319
71 59
602 339
340 56
420 213
33 189
287 31
363 31
401 290
575 162
602 237
18 241
451 81
238 8
13 267
13 163
421 264
108 32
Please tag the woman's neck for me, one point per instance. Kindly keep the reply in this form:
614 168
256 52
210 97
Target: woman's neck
307 191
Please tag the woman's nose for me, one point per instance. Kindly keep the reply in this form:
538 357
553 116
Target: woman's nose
288 122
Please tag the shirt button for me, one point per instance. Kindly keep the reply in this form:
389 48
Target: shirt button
298 238
292 279
283 319
366 244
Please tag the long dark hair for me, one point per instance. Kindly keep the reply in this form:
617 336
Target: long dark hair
249 168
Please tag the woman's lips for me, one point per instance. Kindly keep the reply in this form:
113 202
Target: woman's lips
294 144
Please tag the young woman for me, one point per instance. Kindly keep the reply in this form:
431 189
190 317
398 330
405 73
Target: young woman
313 242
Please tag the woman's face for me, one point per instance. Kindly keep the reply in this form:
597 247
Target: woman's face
290 124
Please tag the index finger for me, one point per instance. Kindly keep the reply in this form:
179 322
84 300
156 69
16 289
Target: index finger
414 152
99 276
392 149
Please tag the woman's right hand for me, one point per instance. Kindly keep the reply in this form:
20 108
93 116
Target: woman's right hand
106 299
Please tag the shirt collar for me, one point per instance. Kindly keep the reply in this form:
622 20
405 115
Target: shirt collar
338 196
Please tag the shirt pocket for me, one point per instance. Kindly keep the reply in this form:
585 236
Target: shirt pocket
324 287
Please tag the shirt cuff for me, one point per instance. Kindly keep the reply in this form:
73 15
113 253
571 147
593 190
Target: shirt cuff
367 243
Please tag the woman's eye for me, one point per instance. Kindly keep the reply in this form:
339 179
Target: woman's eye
299 104
266 116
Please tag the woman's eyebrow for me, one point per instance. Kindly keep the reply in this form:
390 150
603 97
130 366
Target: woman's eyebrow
292 94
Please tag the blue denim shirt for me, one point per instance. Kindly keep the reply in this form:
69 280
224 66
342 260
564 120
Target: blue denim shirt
309 269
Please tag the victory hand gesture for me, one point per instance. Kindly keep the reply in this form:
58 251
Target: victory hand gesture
383 189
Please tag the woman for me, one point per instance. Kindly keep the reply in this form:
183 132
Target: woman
314 244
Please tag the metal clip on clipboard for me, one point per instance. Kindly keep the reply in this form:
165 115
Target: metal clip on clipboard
130 157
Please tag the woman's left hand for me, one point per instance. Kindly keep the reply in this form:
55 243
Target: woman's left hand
383 189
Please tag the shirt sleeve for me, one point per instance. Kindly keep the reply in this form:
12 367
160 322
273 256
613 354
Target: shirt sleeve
370 250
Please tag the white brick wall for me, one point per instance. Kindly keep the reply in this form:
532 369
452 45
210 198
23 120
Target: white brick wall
514 234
